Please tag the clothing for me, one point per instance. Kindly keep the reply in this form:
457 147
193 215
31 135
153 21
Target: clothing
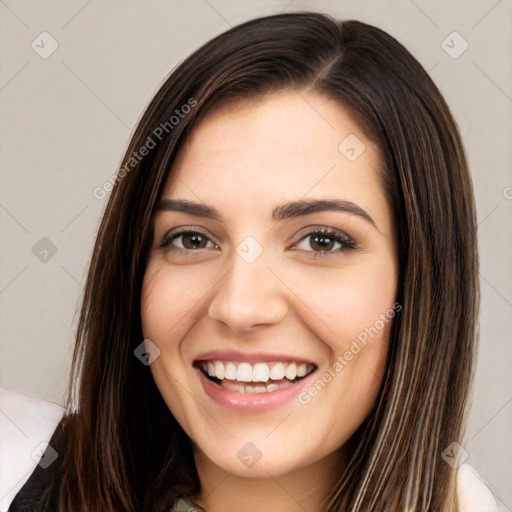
186 505
28 421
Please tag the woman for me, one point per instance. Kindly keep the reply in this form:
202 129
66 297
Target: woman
280 309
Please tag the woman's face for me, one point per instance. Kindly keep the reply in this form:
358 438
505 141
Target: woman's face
271 284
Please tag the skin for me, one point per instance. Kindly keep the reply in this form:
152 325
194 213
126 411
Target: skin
244 159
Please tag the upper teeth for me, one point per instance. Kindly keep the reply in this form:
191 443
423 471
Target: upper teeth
258 372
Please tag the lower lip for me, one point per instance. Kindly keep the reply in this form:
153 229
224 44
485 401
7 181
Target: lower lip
251 401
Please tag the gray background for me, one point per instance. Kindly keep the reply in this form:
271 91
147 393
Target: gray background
66 120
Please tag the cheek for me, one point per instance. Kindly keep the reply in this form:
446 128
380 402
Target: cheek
168 307
357 304
168 301
350 302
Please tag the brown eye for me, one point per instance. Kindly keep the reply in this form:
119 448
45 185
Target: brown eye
188 241
326 241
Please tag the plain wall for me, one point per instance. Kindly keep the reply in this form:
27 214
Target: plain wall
66 120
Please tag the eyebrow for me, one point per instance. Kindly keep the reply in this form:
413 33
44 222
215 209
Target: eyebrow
284 211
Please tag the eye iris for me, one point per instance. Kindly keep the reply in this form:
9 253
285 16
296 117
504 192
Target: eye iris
321 242
193 241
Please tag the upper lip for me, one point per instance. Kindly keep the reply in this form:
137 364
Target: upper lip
250 357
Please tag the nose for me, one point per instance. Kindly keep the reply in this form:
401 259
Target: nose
249 295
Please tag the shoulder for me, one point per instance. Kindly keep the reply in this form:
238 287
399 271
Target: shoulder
473 494
27 424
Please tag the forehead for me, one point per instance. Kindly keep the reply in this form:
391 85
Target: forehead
282 147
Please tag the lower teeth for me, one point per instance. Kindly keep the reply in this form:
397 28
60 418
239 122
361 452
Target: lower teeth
244 388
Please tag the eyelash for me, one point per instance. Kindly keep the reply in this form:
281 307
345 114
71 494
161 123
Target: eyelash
346 243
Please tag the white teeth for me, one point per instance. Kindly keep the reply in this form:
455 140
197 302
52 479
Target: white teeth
277 371
257 372
260 372
244 372
291 371
219 369
272 387
230 371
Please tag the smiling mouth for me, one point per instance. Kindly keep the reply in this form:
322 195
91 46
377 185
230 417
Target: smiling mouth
244 377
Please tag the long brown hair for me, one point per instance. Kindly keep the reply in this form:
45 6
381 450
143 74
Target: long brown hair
125 451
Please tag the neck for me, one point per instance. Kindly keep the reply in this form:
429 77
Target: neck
304 489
